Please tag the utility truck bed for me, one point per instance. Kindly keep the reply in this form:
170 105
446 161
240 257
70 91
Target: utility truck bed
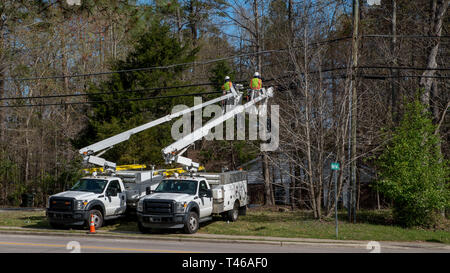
186 201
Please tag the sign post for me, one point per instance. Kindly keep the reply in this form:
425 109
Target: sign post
335 167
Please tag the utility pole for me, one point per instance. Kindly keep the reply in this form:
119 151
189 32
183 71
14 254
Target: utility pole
354 98
394 72
268 195
257 36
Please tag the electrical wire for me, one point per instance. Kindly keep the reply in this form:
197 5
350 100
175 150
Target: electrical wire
209 83
107 92
143 68
107 101
212 60
364 76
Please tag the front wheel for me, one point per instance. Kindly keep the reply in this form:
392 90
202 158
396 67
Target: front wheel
56 225
143 229
191 225
97 218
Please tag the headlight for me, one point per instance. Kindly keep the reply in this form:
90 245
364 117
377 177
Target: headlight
80 205
180 207
140 205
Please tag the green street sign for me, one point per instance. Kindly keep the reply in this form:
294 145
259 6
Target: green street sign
335 166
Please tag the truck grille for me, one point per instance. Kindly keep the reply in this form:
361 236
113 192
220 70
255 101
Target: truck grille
158 206
61 204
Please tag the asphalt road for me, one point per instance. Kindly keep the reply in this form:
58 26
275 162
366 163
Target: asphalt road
27 243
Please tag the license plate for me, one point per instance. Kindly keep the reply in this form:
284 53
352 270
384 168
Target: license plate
155 219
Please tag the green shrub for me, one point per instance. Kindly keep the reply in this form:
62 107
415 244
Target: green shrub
412 170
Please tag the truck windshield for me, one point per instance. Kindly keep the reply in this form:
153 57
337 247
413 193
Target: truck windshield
177 186
90 185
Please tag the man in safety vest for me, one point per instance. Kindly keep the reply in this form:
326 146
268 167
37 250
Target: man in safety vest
255 84
226 87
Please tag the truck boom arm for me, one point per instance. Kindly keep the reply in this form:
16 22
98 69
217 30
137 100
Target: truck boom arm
106 144
173 152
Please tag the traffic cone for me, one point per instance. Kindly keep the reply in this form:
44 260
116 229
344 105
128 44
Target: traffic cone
92 225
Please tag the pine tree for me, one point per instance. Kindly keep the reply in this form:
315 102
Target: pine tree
155 48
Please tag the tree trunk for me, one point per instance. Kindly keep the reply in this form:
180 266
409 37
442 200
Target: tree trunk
439 8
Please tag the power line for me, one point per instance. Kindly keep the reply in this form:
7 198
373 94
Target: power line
117 100
266 80
107 101
107 92
116 92
404 36
141 69
365 76
404 68
213 60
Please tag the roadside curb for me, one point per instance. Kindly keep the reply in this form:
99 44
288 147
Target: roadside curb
230 239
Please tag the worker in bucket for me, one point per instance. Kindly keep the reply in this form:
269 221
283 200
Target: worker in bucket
226 88
255 85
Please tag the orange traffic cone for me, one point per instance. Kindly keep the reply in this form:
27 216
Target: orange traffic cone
92 225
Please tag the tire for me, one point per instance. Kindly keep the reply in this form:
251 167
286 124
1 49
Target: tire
233 214
98 218
143 229
56 226
192 223
243 210
224 216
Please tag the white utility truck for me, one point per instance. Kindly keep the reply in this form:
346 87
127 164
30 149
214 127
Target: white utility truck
110 195
104 197
95 194
186 201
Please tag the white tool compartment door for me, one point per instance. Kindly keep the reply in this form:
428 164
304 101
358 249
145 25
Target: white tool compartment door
205 202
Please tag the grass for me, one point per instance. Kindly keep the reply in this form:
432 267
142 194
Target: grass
372 225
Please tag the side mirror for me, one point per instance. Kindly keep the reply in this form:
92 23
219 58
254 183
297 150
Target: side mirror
148 191
206 193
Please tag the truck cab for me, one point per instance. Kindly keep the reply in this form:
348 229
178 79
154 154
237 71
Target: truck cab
103 197
186 201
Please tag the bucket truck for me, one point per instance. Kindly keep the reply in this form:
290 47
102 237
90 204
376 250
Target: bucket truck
186 201
114 193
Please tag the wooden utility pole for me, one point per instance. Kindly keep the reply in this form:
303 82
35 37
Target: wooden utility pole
268 193
257 36
394 72
354 103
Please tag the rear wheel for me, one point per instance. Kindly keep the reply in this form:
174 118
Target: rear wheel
191 225
234 213
243 210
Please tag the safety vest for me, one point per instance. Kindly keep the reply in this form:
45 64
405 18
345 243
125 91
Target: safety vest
227 86
256 84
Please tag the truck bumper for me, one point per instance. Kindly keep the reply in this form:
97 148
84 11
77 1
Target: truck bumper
161 221
67 217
